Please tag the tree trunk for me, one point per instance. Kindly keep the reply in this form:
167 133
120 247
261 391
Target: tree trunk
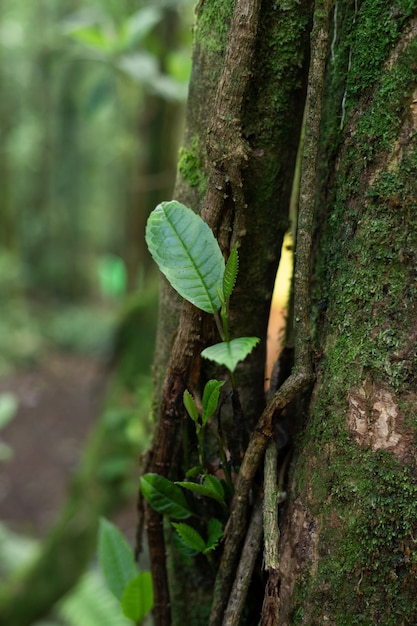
347 547
251 104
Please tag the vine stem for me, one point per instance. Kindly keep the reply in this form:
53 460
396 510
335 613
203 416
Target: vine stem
302 375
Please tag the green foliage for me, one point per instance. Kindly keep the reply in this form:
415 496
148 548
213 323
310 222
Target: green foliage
192 541
8 409
211 487
187 253
190 537
230 353
164 496
133 590
210 400
230 273
190 406
137 599
90 603
115 558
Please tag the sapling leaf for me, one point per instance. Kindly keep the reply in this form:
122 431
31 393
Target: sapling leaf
190 406
182 547
137 598
115 558
190 536
187 253
230 273
229 353
211 488
210 399
194 471
164 496
215 533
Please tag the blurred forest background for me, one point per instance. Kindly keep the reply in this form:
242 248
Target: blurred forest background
92 100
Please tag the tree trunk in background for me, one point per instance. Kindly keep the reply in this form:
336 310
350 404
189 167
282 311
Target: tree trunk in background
271 123
348 553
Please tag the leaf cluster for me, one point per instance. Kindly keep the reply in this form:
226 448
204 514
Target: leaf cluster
167 498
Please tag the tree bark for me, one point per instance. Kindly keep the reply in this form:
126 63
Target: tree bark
347 549
236 167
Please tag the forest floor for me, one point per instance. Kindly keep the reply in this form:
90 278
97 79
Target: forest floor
59 399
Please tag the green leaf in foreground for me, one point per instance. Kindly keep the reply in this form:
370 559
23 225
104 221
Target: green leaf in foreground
137 599
115 558
164 496
229 353
187 253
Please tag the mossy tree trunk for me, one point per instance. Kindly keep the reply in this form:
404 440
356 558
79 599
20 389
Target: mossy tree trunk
263 100
347 551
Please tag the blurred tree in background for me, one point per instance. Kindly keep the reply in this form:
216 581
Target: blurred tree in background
91 112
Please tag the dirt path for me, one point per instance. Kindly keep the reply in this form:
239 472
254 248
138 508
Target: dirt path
58 401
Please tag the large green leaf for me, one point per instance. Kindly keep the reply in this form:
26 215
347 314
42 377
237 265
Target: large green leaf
229 353
164 496
115 558
186 251
137 598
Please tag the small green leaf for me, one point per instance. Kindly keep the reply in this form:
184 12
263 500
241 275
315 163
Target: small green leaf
137 599
211 488
115 558
230 273
190 406
186 251
190 536
210 399
215 533
182 547
164 496
215 485
194 471
229 353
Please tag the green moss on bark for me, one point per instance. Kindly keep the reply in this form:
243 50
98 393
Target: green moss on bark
361 498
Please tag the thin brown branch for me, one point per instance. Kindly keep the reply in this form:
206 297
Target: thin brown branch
246 565
270 608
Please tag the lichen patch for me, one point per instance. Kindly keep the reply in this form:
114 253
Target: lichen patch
375 420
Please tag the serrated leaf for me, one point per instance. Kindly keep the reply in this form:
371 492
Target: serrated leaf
194 471
190 536
211 488
187 253
115 558
164 496
190 406
230 273
229 353
182 547
215 485
215 533
210 399
137 599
